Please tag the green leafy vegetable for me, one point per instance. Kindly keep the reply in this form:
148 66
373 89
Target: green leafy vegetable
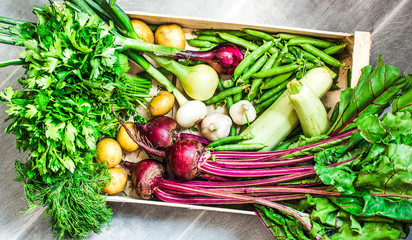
374 92
74 74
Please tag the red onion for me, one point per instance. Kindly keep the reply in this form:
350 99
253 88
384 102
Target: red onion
224 58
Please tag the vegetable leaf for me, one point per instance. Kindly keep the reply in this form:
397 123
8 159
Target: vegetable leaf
372 95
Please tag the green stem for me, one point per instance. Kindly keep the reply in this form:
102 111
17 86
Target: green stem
7 40
139 45
10 62
12 21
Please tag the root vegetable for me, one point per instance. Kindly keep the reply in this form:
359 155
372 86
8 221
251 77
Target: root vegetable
242 112
216 126
161 131
170 35
161 104
191 113
109 151
125 142
143 30
117 182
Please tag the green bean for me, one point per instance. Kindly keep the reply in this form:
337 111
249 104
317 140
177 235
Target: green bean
257 81
286 36
308 40
325 57
269 63
288 58
282 53
334 49
240 147
236 33
259 34
237 97
238 41
264 36
213 39
255 67
308 56
277 70
249 59
220 86
225 93
272 92
226 140
276 80
264 105
228 83
254 89
200 43
233 127
205 49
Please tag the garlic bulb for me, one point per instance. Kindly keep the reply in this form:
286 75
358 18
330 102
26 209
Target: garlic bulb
216 126
242 112
191 113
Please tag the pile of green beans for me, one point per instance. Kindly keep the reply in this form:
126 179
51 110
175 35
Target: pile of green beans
270 62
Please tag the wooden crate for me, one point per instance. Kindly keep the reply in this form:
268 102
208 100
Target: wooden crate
358 49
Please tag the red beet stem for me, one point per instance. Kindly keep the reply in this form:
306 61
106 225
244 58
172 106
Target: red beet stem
279 153
199 138
254 164
260 182
277 189
214 178
168 197
229 172
161 183
264 191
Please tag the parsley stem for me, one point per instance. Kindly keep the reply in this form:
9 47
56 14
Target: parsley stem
7 40
12 21
10 62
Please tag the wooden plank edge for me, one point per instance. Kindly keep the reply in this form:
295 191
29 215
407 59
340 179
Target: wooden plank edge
206 22
124 199
361 55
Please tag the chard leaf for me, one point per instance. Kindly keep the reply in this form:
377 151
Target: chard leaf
389 172
393 128
365 205
403 102
281 226
372 95
370 230
341 179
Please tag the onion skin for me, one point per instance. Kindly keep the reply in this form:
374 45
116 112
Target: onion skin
144 174
161 131
183 158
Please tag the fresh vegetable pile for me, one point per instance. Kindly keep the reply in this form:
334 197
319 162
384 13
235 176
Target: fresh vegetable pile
308 176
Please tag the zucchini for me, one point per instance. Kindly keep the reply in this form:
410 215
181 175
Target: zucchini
278 121
310 110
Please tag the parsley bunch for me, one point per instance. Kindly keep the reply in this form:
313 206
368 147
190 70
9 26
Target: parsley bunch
74 75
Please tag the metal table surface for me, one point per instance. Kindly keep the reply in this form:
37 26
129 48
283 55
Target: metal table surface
390 23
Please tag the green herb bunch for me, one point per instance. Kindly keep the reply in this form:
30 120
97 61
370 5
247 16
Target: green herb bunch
74 76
